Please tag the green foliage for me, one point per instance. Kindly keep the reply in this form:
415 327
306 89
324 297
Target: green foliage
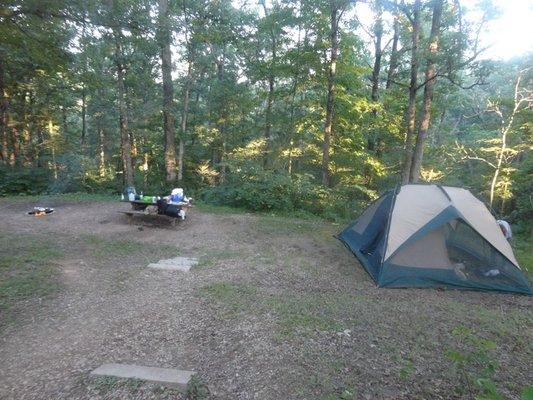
23 181
523 248
263 190
233 298
522 215
26 268
257 82
474 364
527 393
196 388
346 394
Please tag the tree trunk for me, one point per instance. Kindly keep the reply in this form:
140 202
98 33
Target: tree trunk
168 92
334 43
378 51
101 147
268 121
26 132
393 62
184 119
83 119
15 147
270 98
373 140
294 90
221 124
430 79
4 106
410 116
125 144
505 128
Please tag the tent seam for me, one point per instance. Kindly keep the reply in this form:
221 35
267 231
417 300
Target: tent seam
386 238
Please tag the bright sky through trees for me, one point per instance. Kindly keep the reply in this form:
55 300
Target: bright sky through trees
511 32
507 35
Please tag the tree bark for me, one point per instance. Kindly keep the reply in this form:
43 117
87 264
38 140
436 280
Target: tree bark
125 144
184 119
83 119
505 128
26 132
335 13
294 90
393 62
221 123
4 106
410 115
373 140
430 78
15 147
378 51
270 98
101 147
168 92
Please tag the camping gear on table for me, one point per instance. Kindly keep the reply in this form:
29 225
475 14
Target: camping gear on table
177 196
434 236
130 193
172 210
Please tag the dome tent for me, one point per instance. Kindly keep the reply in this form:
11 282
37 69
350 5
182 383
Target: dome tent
434 236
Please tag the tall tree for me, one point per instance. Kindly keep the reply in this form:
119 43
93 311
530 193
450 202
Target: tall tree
522 99
168 91
410 116
4 105
378 50
430 79
125 143
393 60
336 9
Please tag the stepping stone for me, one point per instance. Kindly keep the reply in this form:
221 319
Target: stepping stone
175 264
164 376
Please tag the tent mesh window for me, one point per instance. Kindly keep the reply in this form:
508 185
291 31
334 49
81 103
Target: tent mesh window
456 247
482 262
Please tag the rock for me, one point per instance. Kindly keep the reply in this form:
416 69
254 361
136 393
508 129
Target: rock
164 376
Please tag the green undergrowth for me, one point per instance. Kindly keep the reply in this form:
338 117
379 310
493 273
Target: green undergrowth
76 196
523 248
111 387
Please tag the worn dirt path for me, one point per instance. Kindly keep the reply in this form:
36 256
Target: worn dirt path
235 319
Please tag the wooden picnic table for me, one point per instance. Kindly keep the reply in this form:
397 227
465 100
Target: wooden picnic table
138 207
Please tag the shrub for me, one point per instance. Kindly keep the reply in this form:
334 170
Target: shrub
23 181
266 190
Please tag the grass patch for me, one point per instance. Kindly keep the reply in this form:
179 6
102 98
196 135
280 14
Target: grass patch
234 298
108 248
212 258
297 314
27 268
103 385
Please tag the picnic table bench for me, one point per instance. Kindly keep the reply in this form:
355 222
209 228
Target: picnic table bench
138 207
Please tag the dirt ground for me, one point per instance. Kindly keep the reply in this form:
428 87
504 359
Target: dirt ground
276 309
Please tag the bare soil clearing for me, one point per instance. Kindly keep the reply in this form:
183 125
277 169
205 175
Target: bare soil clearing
275 309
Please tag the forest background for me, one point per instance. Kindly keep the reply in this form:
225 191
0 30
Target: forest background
295 106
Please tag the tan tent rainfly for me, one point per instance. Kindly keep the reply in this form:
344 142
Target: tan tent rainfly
432 235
